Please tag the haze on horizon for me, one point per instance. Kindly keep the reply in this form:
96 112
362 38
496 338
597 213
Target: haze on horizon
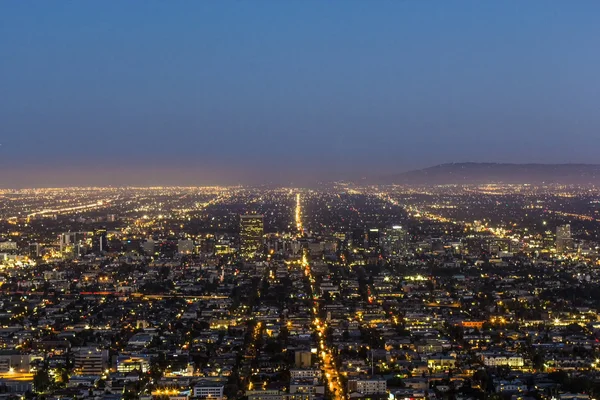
193 92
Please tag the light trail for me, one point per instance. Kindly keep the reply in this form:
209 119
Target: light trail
498 232
299 226
330 371
99 203
332 376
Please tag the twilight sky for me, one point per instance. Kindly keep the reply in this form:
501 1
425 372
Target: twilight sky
198 92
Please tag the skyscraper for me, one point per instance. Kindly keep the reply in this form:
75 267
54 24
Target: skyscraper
358 238
564 241
90 360
394 240
75 244
101 240
251 235
34 250
373 238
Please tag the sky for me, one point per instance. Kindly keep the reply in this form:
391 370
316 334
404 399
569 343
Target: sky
205 92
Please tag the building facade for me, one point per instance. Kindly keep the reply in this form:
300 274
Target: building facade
251 235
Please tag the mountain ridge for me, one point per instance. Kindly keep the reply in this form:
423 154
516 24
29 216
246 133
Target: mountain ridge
507 173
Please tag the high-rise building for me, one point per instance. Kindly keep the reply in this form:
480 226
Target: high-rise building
65 240
34 250
90 361
564 241
358 238
251 235
394 240
75 244
100 240
373 238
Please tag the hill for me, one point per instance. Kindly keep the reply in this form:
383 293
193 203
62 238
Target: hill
480 173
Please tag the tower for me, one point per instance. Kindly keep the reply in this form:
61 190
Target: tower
101 240
564 241
251 235
373 238
358 238
394 241
34 250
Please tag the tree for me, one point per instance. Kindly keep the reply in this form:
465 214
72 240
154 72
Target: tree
130 395
483 378
41 381
395 382
538 361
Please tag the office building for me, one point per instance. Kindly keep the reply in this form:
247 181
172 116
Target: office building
251 235
34 250
394 240
100 241
134 362
564 241
302 358
358 239
15 362
90 361
373 238
8 245
208 389
75 244
367 386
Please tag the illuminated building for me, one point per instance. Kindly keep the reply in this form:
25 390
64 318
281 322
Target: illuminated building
367 386
394 240
66 239
75 244
208 389
90 361
100 240
128 363
495 360
497 245
8 245
251 235
302 359
14 362
564 241
34 250
373 238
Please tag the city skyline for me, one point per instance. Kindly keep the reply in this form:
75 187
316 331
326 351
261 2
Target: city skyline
275 91
299 200
344 292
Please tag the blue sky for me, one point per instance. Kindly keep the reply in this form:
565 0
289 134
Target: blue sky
201 91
